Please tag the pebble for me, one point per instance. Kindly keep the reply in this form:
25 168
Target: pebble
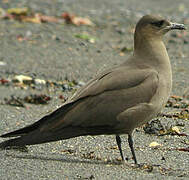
22 79
154 144
2 63
40 81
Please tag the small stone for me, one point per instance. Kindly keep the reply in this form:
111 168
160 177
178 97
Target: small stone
22 79
120 30
119 159
81 83
98 157
40 81
154 145
154 127
175 129
2 63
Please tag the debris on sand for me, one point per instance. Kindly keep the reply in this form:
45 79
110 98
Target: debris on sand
27 15
73 19
32 99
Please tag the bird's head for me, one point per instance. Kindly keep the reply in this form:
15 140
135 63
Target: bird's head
155 26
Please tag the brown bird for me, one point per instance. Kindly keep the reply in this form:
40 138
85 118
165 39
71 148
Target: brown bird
116 101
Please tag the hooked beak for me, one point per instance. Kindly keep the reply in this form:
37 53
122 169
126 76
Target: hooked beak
176 26
172 26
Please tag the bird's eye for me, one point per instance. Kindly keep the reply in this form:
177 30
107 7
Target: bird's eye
158 23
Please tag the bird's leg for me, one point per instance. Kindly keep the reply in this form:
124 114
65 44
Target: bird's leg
130 140
118 140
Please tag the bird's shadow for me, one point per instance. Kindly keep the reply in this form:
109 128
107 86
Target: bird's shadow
66 159
78 160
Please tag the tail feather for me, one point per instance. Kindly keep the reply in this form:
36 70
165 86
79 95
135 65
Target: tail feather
37 137
23 131
32 134
20 132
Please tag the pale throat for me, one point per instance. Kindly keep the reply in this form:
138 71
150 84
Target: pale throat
153 49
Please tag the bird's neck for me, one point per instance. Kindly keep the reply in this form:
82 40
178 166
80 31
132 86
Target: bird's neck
153 51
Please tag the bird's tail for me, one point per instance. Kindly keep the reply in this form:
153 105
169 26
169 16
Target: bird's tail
37 137
33 134
21 131
46 119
